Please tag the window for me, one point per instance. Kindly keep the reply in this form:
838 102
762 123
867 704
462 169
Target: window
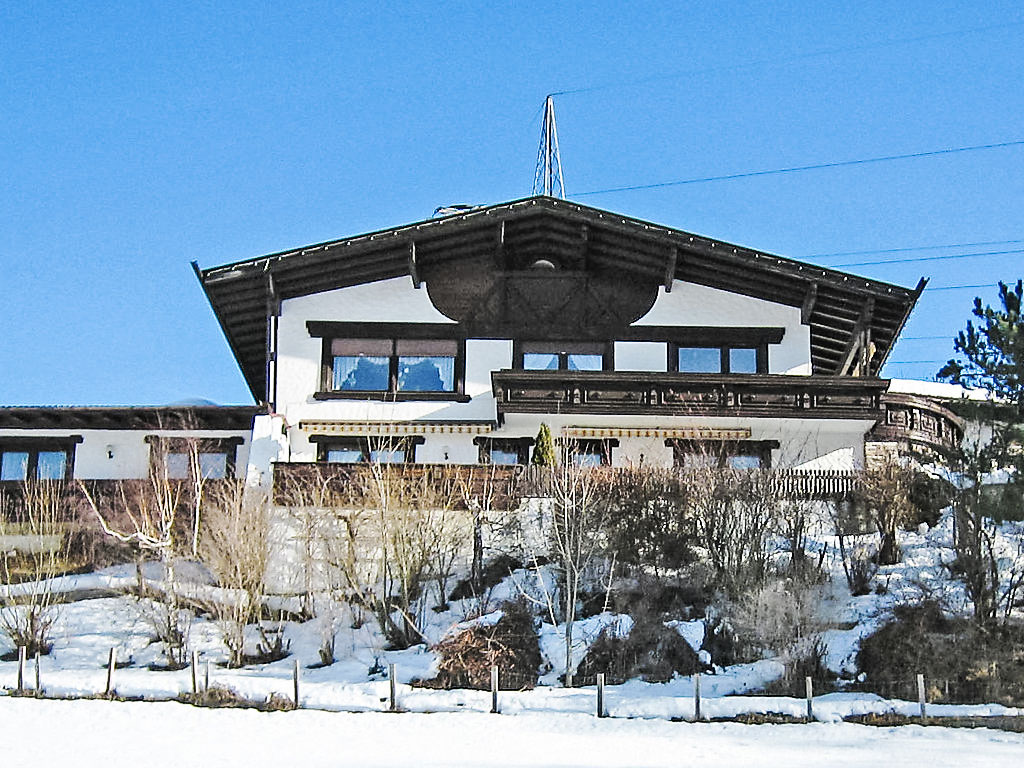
504 450
182 458
361 450
744 454
584 356
718 359
37 458
589 452
403 368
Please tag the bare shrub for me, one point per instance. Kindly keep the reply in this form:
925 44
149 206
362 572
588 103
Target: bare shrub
235 547
649 522
27 613
148 517
734 512
385 538
510 643
780 618
886 490
651 651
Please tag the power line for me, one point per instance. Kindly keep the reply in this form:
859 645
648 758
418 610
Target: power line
960 287
838 254
929 258
784 59
812 167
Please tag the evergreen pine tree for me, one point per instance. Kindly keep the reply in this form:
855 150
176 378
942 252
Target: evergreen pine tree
544 448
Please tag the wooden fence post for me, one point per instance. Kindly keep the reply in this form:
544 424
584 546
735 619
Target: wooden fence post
110 672
195 673
206 676
494 689
600 694
22 652
39 685
920 695
809 689
696 696
393 703
295 680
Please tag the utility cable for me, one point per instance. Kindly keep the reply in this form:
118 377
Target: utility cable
784 59
909 260
811 167
839 254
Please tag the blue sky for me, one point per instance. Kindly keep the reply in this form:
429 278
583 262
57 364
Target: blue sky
139 136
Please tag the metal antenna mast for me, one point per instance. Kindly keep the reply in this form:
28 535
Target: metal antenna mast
548 176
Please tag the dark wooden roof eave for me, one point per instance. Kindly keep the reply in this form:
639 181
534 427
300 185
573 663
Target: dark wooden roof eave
237 292
221 418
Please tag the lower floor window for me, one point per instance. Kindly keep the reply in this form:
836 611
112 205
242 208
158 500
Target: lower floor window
504 450
744 454
360 450
589 452
184 458
50 459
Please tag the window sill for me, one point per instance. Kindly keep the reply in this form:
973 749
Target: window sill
393 397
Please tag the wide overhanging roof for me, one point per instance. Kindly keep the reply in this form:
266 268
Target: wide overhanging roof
207 417
842 310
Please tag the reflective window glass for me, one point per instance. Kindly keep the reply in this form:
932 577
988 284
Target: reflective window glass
742 360
14 465
177 466
700 360
51 465
213 466
361 373
346 455
743 461
426 374
388 455
585 362
500 455
540 361
698 460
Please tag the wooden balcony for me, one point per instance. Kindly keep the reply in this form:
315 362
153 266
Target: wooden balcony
918 422
688 394
480 486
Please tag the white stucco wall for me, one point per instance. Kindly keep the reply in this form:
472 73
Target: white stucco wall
831 444
641 356
698 305
123 454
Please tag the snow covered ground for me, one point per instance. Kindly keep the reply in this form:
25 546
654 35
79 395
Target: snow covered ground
113 734
87 629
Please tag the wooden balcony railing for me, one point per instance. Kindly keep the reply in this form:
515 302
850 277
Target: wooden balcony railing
496 487
686 394
918 422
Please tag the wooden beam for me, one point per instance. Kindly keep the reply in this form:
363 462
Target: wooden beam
670 268
413 267
809 301
858 338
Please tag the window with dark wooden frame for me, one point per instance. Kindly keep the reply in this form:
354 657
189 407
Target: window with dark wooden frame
35 458
504 450
741 454
400 369
563 356
364 449
212 458
589 452
728 358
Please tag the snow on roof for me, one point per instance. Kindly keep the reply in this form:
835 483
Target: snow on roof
938 390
